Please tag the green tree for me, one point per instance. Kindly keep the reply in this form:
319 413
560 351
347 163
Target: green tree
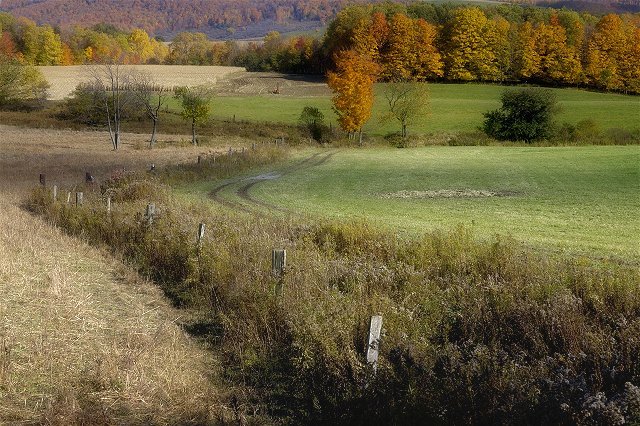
525 115
407 102
20 85
312 119
196 105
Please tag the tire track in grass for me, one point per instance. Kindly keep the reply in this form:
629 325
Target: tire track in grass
243 192
216 195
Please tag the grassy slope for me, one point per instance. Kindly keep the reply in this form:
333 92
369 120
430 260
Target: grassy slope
83 339
580 199
454 107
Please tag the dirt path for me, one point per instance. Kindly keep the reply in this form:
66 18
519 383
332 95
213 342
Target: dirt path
243 192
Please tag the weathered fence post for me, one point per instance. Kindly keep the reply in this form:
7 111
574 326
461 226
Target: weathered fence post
278 266
153 167
79 196
68 197
108 205
199 159
150 213
43 179
230 151
200 235
55 192
373 345
253 146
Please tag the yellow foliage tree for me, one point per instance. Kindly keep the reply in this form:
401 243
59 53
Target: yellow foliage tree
352 85
559 62
470 54
613 55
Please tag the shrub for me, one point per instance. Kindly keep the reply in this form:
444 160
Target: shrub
312 119
525 115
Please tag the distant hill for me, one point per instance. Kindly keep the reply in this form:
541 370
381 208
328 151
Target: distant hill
217 18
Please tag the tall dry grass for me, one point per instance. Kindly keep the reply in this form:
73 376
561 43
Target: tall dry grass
474 332
83 339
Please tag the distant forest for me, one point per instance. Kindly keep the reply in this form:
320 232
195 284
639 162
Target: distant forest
228 18
216 18
421 41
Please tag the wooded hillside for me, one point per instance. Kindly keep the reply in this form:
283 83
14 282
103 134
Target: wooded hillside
167 17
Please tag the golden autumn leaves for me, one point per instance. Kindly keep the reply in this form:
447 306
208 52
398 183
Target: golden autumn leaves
398 49
469 45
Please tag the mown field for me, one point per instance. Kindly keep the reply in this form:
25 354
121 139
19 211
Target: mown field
576 199
454 107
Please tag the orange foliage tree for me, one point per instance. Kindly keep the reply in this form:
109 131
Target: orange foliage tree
352 85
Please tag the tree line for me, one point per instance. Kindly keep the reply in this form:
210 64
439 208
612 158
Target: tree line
420 41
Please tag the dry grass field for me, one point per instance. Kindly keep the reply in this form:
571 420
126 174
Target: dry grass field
83 339
63 80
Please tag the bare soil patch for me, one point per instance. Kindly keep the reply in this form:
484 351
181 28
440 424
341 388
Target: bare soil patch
448 193
265 83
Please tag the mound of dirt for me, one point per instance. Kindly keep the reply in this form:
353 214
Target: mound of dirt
448 193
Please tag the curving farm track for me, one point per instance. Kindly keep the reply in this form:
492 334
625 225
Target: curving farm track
249 204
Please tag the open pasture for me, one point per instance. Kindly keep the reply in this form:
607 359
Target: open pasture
582 200
454 107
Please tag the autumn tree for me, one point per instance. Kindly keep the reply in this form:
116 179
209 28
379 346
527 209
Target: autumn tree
469 53
558 62
407 102
42 46
196 105
190 49
613 55
352 85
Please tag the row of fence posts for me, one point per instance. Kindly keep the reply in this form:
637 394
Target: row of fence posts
278 266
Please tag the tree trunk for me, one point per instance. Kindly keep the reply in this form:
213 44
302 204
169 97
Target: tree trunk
360 136
193 131
153 133
404 130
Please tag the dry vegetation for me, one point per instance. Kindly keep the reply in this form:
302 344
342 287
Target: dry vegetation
83 339
63 80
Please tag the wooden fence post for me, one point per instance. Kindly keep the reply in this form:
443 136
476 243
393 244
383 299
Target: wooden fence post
43 179
68 197
55 192
373 346
200 235
199 159
150 213
108 205
278 266
79 200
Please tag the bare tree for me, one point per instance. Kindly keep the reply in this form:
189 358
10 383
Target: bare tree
151 97
116 81
407 101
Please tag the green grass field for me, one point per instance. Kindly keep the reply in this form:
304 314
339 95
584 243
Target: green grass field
578 199
454 107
